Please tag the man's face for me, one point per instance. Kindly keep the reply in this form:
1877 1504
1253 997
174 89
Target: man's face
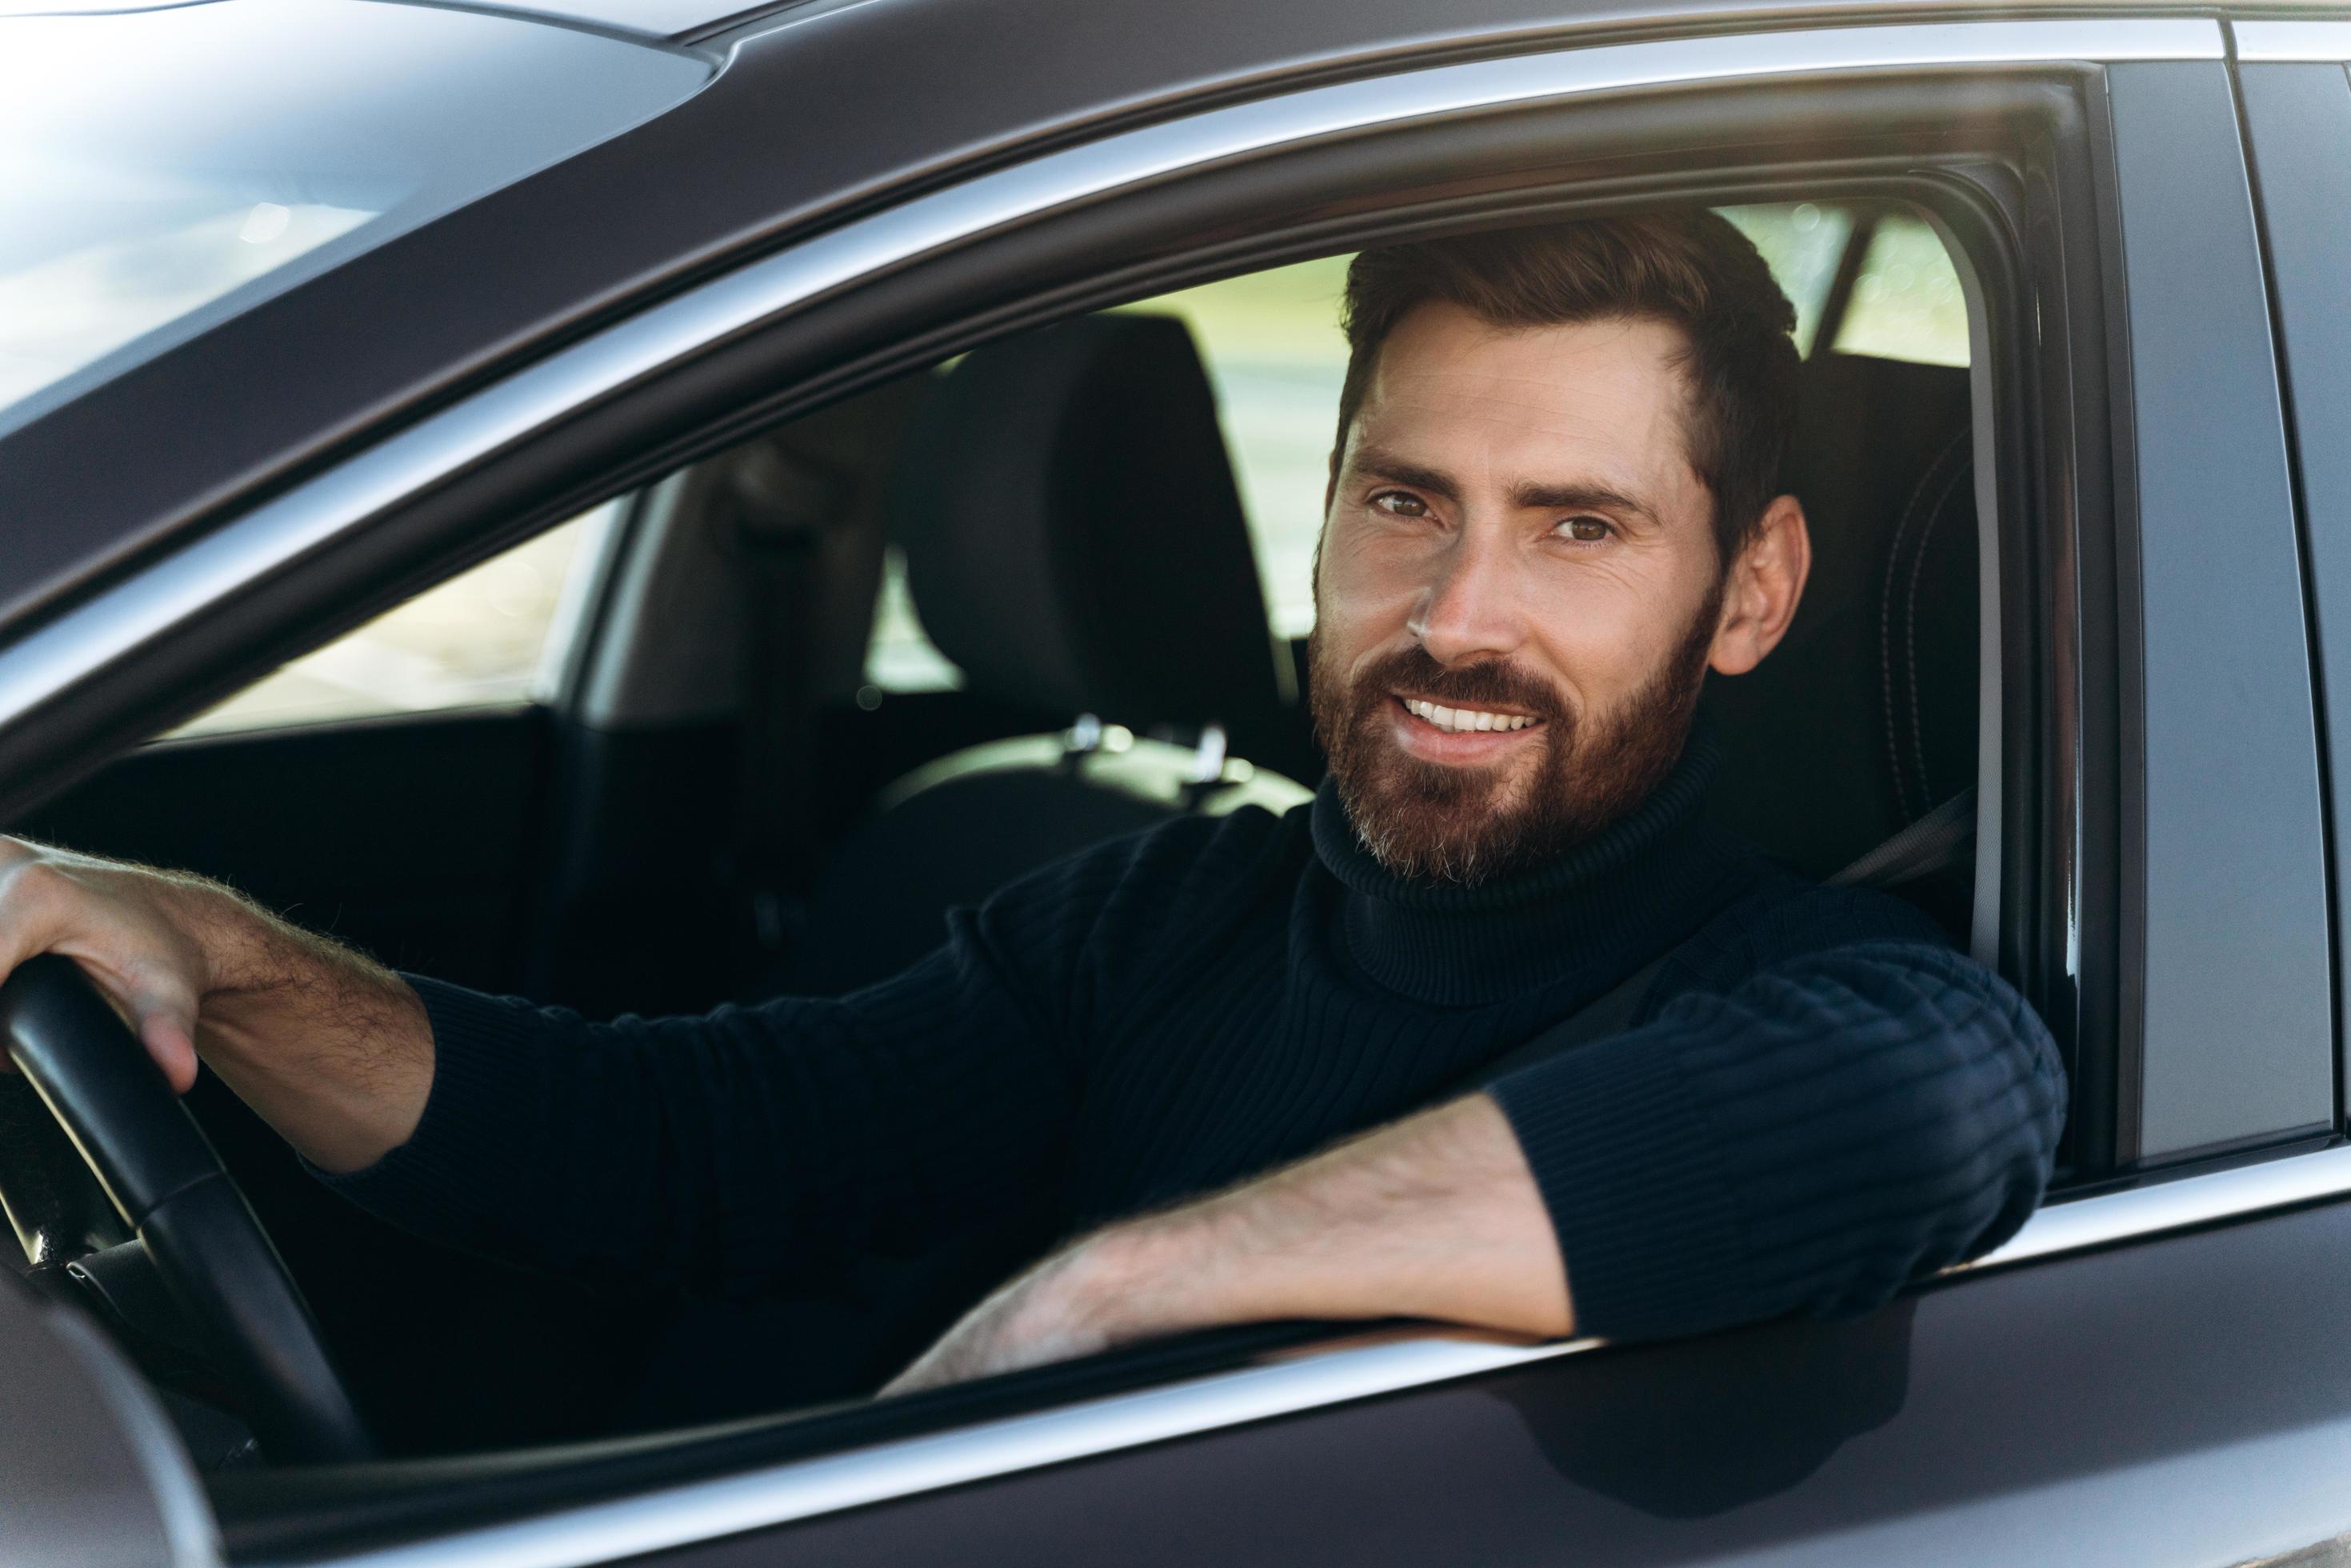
1517 591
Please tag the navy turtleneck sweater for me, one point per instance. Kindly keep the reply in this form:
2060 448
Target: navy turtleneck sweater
1817 1099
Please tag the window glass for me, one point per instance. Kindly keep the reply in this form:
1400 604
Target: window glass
1802 242
162 169
1906 302
1276 358
492 636
901 658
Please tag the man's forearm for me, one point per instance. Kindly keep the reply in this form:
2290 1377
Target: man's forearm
1435 1217
332 1049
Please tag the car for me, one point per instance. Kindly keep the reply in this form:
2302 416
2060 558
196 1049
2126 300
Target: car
763 394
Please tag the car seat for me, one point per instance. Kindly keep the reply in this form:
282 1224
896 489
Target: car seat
1074 542
1863 720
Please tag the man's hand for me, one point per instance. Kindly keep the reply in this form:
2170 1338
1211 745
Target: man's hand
334 1051
1435 1217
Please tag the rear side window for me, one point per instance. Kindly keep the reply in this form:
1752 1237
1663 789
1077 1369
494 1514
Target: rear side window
492 637
1907 303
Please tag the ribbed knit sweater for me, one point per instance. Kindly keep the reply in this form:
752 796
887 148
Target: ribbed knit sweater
1818 1098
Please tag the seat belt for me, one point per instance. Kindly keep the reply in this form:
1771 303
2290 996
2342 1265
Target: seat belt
1610 1013
1940 839
1936 842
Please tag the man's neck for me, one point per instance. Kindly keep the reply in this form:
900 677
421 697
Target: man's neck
1579 920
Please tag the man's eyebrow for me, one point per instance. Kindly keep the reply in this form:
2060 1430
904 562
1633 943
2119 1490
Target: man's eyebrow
1378 463
1568 498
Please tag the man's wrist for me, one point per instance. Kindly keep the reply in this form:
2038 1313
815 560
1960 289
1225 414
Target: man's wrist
335 1051
229 933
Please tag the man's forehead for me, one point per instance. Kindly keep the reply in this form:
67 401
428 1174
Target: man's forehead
1609 393
1443 351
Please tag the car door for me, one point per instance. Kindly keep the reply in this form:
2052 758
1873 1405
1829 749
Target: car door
2148 1373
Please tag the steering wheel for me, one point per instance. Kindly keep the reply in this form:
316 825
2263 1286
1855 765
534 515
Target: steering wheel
234 1295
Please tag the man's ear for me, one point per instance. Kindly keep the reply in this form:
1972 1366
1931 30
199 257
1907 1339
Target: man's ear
1759 600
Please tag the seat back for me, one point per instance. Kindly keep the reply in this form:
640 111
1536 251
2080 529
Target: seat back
1074 541
1866 717
1074 537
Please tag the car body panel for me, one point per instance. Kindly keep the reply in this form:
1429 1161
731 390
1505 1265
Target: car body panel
2180 1401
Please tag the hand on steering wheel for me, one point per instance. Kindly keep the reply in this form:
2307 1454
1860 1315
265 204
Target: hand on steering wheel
158 1169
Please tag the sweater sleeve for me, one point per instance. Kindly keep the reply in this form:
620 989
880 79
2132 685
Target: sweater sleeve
736 1149
1832 1128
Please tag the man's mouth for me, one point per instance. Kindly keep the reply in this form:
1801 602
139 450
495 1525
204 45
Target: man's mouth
1465 720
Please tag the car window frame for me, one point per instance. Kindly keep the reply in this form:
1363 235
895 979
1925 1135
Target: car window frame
364 490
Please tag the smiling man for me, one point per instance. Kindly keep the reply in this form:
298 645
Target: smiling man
1253 1068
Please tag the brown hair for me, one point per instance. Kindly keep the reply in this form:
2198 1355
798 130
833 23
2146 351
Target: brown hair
1688 268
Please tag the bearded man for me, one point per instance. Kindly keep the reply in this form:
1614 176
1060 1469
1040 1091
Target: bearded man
1222 1071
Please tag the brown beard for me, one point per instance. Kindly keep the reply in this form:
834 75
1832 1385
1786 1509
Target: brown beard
1454 824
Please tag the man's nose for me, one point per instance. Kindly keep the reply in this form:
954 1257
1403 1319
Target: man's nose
1471 609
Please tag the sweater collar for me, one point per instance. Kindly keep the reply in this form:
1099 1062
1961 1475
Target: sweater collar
1583 920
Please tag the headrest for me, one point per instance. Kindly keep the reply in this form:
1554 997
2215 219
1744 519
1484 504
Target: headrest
1074 537
1865 718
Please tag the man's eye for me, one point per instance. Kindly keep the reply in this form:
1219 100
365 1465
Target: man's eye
1396 503
1585 531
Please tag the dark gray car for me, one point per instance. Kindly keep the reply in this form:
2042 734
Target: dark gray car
384 289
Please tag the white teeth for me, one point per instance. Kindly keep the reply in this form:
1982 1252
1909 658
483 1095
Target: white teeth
1462 720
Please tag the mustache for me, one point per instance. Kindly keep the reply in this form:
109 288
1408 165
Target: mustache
1490 681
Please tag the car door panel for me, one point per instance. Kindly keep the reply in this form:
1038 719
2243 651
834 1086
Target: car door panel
2185 1400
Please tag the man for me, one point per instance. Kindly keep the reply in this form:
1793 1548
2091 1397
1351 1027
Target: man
1552 510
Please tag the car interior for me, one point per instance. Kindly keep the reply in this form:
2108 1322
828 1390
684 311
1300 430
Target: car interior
762 723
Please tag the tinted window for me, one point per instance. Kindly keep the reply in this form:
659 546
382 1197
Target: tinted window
492 636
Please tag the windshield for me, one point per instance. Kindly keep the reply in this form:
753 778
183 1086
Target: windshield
162 170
